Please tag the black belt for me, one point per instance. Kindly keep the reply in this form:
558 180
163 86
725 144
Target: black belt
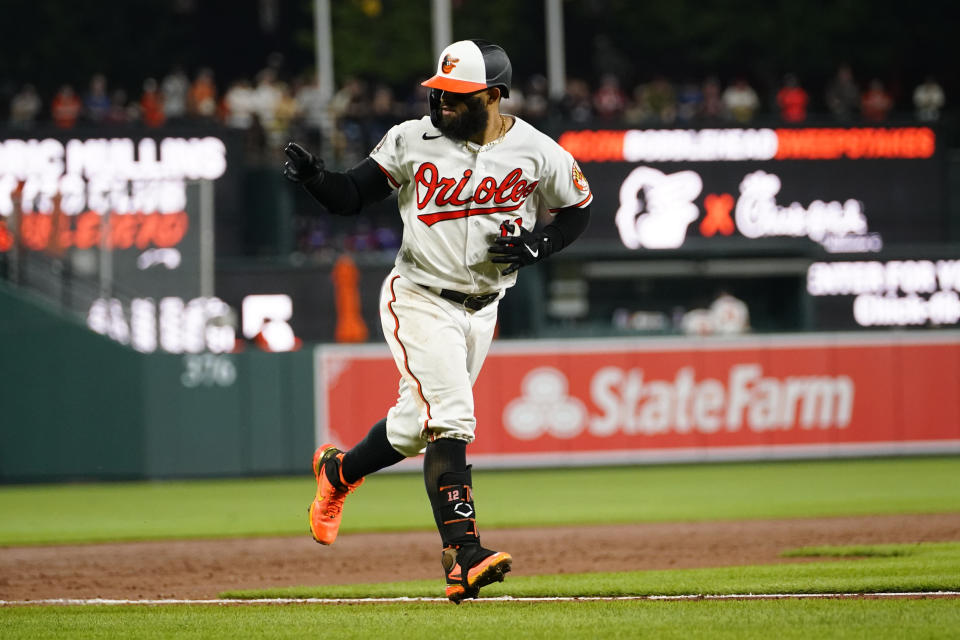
474 302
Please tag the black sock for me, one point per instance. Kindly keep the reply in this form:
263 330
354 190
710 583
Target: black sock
371 454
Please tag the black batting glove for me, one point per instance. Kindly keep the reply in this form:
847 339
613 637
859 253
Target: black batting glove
520 250
302 166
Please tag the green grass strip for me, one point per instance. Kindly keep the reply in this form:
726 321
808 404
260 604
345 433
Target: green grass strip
861 551
867 619
920 567
43 514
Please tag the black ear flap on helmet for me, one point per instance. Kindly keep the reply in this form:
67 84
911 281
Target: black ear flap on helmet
497 65
435 117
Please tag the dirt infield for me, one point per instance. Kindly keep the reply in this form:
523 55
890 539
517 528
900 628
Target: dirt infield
206 568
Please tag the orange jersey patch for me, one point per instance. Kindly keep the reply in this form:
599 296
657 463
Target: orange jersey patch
579 180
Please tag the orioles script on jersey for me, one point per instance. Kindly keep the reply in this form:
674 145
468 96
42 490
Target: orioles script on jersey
508 194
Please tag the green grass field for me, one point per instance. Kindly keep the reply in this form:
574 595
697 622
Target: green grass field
879 569
131 511
868 619
46 514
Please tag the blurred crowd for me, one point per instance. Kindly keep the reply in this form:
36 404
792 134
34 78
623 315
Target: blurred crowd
662 102
273 106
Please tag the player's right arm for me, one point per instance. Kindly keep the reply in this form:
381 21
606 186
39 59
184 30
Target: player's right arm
341 193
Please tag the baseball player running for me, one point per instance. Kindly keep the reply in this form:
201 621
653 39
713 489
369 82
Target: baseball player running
470 184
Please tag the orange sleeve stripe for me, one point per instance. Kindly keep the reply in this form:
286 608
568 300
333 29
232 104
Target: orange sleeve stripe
579 204
406 363
387 173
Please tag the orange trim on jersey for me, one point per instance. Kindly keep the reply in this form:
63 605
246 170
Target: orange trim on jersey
431 219
579 204
406 363
453 85
387 173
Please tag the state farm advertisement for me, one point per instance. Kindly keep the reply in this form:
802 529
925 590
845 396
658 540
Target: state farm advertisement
596 402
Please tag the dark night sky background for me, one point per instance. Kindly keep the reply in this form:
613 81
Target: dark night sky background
57 41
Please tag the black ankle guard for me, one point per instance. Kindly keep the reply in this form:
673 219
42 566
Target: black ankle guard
455 511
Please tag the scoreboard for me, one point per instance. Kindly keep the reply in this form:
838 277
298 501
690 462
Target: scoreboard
865 206
122 229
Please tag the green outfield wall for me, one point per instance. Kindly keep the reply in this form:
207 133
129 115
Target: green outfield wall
77 405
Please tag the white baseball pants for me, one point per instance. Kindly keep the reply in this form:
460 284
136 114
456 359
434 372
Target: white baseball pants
439 347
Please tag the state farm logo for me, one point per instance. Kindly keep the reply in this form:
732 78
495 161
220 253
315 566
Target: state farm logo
544 407
628 403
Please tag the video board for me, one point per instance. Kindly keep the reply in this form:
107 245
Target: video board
123 217
856 294
849 190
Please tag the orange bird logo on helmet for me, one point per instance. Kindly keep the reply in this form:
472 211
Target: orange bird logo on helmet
448 63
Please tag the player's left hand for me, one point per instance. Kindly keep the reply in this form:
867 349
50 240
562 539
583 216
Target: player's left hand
520 250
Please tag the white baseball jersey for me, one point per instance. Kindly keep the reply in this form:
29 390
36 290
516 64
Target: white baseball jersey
453 197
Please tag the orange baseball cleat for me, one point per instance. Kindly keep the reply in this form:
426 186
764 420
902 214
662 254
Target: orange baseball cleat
485 567
326 509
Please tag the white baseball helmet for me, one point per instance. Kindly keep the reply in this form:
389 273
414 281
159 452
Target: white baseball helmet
472 65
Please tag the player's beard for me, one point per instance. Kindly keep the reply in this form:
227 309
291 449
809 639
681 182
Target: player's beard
463 126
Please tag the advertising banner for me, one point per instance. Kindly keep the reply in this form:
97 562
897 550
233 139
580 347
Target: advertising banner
649 400
850 190
854 294
127 193
119 225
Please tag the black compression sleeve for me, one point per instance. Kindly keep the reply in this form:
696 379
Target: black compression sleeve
371 182
567 226
345 194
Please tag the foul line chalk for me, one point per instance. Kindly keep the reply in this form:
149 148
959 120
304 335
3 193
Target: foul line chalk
275 601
